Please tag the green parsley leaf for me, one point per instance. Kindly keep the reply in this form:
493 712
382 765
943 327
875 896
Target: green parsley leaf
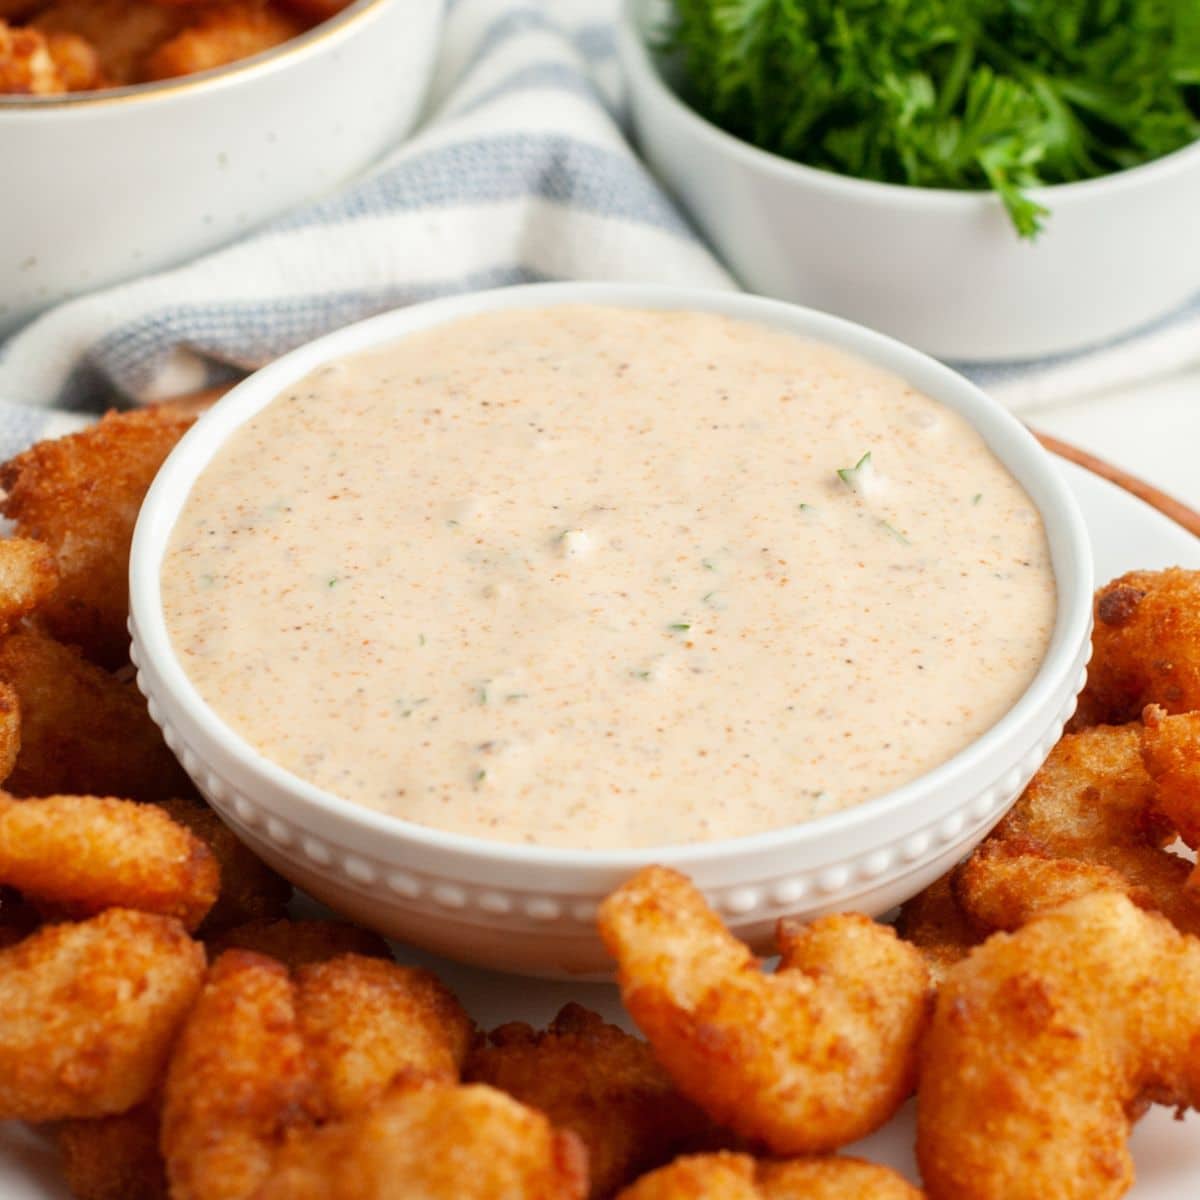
1007 95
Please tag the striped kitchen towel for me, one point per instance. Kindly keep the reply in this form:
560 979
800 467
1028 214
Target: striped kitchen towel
520 172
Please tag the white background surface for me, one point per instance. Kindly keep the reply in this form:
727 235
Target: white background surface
1151 430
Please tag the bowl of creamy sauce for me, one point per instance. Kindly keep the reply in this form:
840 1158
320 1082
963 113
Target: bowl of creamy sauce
471 608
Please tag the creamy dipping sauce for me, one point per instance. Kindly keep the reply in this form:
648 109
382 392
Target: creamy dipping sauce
605 578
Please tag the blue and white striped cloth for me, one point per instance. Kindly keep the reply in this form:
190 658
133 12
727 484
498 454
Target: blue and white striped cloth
520 172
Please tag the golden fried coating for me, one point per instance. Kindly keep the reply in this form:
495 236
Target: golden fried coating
1084 823
83 854
83 732
76 61
934 922
28 577
739 1177
89 1013
1171 755
1145 647
603 1085
221 34
366 1021
113 1158
250 890
10 730
238 1080
298 943
27 67
435 1142
123 33
81 494
804 1061
1046 1042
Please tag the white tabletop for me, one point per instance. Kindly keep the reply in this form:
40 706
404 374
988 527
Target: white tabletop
1151 430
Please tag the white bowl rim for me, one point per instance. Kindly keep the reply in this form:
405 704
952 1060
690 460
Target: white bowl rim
169 491
302 45
637 57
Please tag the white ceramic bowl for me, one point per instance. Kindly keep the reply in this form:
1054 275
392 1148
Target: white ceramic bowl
532 909
942 270
102 186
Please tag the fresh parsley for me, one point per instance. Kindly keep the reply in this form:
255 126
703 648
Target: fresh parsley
966 94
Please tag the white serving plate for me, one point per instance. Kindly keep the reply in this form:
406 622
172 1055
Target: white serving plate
1126 533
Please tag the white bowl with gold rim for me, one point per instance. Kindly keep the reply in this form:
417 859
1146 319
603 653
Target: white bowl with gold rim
103 186
531 909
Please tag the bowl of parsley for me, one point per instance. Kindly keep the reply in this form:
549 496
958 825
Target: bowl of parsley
984 179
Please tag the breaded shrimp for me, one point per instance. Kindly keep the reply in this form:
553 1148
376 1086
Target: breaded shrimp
934 922
221 34
435 1142
739 1177
113 1158
81 494
89 1013
122 33
250 890
298 943
366 1021
1085 823
804 1061
1171 755
1145 647
83 731
26 65
83 854
600 1083
239 1079
1046 1043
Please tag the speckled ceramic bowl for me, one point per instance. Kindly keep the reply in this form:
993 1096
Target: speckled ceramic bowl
102 186
532 909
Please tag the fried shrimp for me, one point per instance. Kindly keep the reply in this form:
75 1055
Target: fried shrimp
222 33
804 1061
81 494
1171 754
739 1177
83 731
1085 823
113 1158
83 854
27 67
238 1080
89 1013
365 1021
263 1055
1046 1043
601 1084
250 890
435 1142
1145 647
935 923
